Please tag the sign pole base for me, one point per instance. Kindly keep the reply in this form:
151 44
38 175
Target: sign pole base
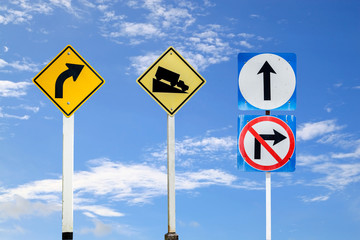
171 236
67 236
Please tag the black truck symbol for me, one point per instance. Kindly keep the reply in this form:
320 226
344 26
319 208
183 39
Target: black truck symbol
172 78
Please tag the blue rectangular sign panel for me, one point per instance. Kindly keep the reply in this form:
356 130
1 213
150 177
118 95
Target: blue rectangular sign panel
267 81
266 143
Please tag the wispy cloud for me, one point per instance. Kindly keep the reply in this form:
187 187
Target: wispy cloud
33 109
6 115
212 149
13 89
353 154
141 63
132 184
337 175
308 131
101 229
24 65
316 199
23 11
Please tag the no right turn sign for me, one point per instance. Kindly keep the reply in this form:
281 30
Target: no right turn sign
266 143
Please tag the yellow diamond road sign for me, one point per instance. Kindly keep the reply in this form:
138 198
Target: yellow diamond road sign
171 81
68 80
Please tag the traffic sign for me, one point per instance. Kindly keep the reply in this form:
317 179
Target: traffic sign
68 81
266 143
267 81
171 81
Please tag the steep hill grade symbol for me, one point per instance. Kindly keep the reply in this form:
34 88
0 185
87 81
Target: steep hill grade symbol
172 78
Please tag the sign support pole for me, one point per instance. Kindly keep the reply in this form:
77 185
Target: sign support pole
67 179
268 199
171 235
268 205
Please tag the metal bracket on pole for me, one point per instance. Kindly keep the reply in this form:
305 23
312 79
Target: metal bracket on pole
171 235
67 182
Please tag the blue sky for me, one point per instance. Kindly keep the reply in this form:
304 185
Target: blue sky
120 132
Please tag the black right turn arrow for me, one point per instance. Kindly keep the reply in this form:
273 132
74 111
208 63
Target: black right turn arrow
276 137
73 71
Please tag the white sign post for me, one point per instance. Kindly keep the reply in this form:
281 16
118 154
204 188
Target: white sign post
68 66
67 179
171 81
268 205
171 235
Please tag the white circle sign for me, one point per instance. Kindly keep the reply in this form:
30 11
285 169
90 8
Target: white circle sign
267 81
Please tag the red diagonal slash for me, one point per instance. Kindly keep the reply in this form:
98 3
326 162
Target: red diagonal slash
265 145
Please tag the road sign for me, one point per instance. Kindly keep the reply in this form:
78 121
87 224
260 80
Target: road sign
266 143
68 80
267 81
171 81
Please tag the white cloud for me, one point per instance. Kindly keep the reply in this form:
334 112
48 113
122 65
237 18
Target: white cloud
111 16
14 16
13 89
3 63
19 207
211 148
5 115
245 44
246 35
353 154
132 184
203 178
23 11
99 210
100 229
337 175
141 63
25 107
62 3
309 160
308 131
139 29
316 199
23 65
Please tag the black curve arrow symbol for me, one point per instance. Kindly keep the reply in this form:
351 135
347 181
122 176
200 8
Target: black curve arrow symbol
73 71
276 137
266 69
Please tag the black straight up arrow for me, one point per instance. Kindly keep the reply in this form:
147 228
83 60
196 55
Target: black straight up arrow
266 69
73 71
276 137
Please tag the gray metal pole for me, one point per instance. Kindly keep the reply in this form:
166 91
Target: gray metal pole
171 235
67 179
